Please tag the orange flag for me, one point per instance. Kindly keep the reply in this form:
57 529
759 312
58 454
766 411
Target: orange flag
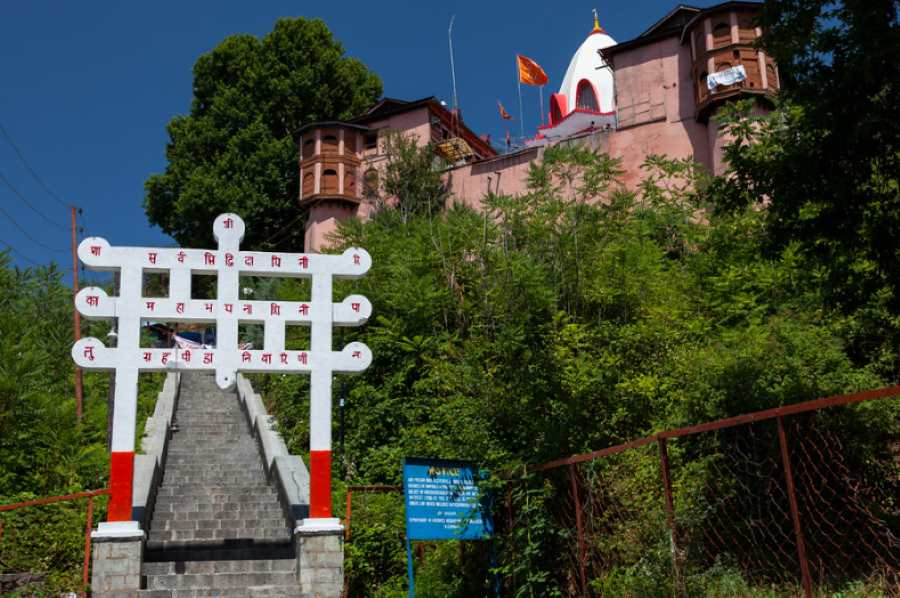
503 113
530 72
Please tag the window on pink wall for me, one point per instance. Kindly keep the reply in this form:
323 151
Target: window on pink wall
329 144
746 29
309 184
586 99
721 34
349 182
771 76
329 181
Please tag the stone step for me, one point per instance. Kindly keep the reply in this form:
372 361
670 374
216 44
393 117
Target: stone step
215 469
238 423
214 453
255 477
219 580
218 528
207 567
216 473
219 466
208 484
199 490
206 507
265 534
272 511
275 547
267 591
212 462
220 500
241 523
227 550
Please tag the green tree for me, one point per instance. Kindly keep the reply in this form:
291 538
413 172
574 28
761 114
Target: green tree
235 151
827 162
43 450
548 325
412 180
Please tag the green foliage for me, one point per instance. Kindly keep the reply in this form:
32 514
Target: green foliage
826 163
235 150
549 324
411 177
43 451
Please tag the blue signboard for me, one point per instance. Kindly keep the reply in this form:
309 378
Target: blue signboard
443 501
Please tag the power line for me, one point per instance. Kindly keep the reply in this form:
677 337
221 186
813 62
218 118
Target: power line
28 203
27 235
19 253
34 174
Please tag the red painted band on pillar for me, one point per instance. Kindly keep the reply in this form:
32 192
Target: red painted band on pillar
320 484
121 479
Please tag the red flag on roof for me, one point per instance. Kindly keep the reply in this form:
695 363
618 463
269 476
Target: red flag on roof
503 113
530 72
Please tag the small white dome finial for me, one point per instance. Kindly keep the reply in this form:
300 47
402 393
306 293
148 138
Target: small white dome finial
597 27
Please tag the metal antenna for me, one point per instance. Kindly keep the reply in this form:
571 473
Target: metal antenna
452 66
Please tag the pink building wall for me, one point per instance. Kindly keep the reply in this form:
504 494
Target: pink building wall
324 217
656 108
656 95
505 174
322 221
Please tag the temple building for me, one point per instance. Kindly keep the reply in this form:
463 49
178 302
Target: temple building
655 94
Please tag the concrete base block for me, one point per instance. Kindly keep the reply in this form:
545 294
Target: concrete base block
320 557
116 560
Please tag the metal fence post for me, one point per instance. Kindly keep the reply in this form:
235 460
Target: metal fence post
670 514
579 526
795 513
87 546
349 506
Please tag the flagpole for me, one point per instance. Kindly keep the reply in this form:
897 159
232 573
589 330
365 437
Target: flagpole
542 104
521 112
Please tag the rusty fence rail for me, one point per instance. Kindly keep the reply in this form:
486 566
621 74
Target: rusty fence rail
89 495
784 501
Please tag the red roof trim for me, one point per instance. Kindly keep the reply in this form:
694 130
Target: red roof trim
577 111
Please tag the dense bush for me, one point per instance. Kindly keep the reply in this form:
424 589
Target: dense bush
43 450
550 324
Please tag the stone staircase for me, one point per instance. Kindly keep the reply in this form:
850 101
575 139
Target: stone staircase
218 528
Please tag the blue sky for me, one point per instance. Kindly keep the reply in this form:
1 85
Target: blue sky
87 88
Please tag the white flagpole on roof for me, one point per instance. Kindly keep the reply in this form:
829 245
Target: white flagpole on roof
542 104
521 112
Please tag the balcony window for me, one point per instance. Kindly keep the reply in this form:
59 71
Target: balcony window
329 181
350 182
329 144
309 148
721 35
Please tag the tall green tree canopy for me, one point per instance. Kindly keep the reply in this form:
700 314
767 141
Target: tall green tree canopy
235 150
827 162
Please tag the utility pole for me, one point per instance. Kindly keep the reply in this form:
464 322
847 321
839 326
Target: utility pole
79 386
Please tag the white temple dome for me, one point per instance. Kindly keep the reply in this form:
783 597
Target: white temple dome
588 83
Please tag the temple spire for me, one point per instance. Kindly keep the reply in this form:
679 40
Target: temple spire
597 27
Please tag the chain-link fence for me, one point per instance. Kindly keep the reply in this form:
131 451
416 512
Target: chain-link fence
800 500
